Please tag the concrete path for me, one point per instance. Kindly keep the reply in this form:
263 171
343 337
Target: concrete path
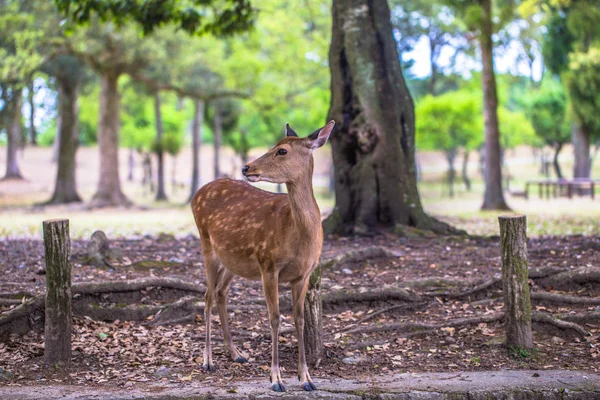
518 385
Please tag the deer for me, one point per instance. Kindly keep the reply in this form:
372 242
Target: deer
259 235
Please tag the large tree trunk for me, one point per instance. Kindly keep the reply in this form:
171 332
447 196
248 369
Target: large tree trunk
161 195
108 192
494 197
557 170
13 126
218 131
373 141
32 130
196 145
581 150
465 172
65 189
56 144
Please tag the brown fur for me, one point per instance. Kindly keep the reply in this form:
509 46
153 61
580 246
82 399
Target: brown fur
256 234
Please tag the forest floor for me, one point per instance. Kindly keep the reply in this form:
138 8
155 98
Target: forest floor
437 310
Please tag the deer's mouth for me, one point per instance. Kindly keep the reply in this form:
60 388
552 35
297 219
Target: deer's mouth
253 177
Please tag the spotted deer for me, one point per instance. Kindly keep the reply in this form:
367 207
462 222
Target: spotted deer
265 236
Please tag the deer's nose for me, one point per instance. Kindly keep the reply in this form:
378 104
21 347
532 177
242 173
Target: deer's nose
245 169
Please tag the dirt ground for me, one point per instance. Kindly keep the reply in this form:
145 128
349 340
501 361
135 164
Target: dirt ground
122 353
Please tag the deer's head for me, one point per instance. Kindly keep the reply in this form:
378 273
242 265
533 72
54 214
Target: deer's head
289 159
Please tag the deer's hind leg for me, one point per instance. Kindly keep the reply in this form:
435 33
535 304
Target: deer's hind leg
224 280
212 266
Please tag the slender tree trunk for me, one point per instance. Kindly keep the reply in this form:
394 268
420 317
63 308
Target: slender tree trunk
433 79
557 170
131 164
196 145
161 195
217 141
32 130
494 197
65 189
108 192
581 150
13 113
174 175
465 172
450 157
373 141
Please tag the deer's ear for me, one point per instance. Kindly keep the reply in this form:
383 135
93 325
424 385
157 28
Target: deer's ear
319 137
289 131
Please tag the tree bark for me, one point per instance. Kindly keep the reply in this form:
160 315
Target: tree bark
13 127
373 141
196 145
32 130
217 141
58 320
65 188
56 144
313 317
465 173
161 195
515 281
494 197
108 192
131 164
450 157
581 151
557 169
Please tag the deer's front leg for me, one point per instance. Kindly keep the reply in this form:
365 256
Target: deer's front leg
298 295
270 286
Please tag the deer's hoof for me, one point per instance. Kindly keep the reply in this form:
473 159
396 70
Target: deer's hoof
309 386
209 367
278 387
241 360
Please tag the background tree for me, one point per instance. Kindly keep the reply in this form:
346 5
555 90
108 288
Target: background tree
547 111
69 74
449 122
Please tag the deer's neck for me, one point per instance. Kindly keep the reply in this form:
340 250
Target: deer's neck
305 210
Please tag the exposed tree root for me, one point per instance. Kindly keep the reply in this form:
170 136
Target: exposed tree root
359 255
541 320
30 314
544 272
9 302
583 317
564 298
548 324
133 285
391 294
411 306
466 293
415 326
571 279
436 282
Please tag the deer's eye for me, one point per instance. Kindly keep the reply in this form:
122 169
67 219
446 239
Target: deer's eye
281 152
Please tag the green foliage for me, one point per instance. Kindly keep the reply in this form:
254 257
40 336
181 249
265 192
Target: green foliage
515 129
547 111
224 17
449 122
583 81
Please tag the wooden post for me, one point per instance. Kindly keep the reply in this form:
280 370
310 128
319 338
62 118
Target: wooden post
515 281
58 321
313 325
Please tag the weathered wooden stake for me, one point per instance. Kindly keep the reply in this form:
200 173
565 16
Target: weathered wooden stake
515 276
313 325
58 322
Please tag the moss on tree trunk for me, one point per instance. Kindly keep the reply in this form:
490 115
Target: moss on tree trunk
58 320
515 281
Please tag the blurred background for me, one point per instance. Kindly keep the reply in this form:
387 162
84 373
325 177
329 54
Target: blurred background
162 94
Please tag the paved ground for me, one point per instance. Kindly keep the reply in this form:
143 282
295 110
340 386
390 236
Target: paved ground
518 385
